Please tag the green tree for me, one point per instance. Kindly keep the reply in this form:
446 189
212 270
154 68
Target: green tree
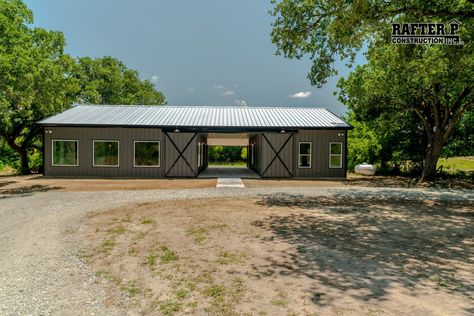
37 79
215 153
462 141
243 153
108 81
395 149
34 78
363 144
435 82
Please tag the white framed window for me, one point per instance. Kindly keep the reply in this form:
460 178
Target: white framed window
105 153
64 153
304 155
335 155
146 153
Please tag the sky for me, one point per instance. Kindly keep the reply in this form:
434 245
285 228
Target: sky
205 52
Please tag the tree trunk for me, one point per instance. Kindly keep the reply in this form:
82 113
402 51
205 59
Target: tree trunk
431 159
24 166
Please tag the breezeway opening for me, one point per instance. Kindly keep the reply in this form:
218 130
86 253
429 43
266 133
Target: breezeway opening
225 155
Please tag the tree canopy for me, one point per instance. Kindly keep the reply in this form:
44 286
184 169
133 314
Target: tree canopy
37 79
433 81
34 77
108 81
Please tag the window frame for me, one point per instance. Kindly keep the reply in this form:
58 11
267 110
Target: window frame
310 155
106 141
335 155
147 141
64 140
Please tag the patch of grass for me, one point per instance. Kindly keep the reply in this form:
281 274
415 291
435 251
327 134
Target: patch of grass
151 260
170 307
6 170
108 245
107 275
147 220
119 230
228 164
191 286
131 288
132 252
181 294
198 234
224 299
229 257
278 302
192 304
167 255
214 291
281 300
448 282
457 163
220 226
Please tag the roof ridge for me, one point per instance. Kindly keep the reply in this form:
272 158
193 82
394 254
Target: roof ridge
203 106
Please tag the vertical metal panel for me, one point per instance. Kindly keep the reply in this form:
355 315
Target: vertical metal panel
86 135
258 153
181 168
320 140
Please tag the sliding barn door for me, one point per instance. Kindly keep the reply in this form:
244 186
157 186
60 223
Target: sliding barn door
181 155
277 155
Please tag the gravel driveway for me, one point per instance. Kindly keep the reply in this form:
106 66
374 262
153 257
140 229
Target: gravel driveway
40 272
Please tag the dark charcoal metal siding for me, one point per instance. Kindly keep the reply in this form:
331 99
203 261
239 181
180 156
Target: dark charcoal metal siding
85 136
181 168
320 140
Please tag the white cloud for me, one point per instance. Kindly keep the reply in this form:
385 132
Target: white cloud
235 85
301 95
218 86
240 102
154 78
228 92
191 90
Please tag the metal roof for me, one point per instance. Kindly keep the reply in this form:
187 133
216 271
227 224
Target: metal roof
197 117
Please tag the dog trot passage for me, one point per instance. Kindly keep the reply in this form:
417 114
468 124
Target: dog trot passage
229 183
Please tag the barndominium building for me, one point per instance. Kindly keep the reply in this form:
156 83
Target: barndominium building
172 141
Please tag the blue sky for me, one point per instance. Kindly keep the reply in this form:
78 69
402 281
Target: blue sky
205 52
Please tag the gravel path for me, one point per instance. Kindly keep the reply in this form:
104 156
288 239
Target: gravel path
40 272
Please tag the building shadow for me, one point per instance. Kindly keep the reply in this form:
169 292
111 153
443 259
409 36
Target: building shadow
6 182
367 244
27 190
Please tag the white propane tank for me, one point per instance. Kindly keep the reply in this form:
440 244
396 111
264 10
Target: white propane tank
365 169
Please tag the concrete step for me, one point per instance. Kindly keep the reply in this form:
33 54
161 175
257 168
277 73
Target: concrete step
229 183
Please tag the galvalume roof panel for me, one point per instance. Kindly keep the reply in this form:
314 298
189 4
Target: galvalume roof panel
197 116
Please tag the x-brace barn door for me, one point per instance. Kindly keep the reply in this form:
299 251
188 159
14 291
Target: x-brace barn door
181 154
277 155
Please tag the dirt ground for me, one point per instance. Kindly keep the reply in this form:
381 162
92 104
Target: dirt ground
38 183
358 180
13 185
286 255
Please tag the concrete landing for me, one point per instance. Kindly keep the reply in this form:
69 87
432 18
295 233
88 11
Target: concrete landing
228 172
229 183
